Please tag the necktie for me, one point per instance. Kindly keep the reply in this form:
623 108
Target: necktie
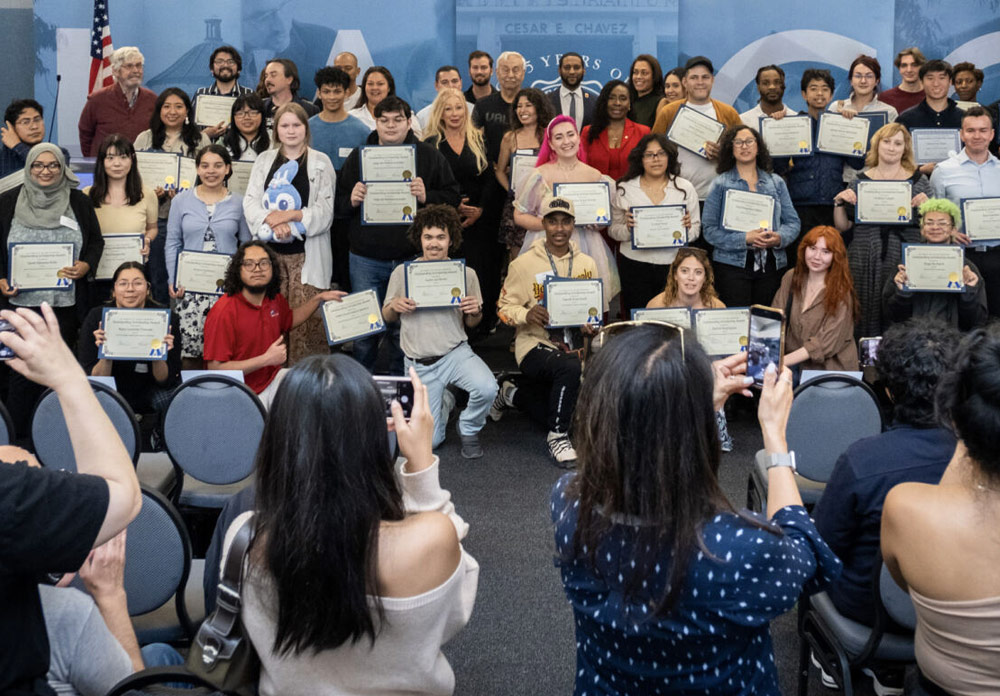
572 105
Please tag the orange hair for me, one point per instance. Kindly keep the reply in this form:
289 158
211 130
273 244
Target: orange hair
839 283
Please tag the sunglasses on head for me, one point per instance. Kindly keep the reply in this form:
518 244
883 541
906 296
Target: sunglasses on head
611 330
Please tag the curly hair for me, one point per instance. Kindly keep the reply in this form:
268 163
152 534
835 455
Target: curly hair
543 111
636 168
727 159
941 205
911 359
233 283
707 294
439 215
839 285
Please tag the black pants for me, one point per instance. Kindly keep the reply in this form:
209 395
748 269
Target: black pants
340 245
641 282
988 263
156 265
738 287
549 386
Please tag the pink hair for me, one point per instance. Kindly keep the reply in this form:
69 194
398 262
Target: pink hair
546 153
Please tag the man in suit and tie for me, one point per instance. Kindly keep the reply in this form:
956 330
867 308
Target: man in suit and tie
570 99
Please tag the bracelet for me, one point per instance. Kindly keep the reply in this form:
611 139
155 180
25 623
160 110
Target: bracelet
838 204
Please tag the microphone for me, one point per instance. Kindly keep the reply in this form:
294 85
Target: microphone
55 107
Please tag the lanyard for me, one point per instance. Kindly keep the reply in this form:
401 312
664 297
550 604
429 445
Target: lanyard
552 262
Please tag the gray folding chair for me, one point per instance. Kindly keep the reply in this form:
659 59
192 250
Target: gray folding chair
829 414
211 430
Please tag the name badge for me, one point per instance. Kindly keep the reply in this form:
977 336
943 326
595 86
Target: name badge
68 222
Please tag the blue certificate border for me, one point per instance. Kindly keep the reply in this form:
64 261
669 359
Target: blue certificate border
688 108
695 313
120 236
636 310
834 114
966 217
953 291
631 230
336 342
364 223
555 279
557 187
760 130
722 210
361 160
104 313
857 191
10 266
177 265
956 132
877 120
449 305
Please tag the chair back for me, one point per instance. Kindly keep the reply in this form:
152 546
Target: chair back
829 414
50 437
6 426
212 427
896 601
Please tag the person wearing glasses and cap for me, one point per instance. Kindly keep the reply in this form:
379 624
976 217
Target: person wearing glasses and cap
548 358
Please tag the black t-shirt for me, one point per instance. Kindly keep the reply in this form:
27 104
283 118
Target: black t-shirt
301 184
49 520
491 114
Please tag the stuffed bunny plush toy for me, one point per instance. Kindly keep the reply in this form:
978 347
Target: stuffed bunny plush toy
281 195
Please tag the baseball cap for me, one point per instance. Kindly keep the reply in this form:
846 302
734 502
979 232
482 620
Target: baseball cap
700 60
557 204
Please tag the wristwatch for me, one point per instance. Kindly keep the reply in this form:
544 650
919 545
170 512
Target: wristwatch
786 459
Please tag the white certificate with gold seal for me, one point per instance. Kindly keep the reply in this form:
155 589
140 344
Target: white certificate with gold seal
839 135
388 203
158 169
934 267
213 109
201 272
357 315
591 201
134 334
388 162
435 283
722 332
118 249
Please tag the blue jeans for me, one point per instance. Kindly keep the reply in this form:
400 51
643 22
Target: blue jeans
373 274
163 655
467 371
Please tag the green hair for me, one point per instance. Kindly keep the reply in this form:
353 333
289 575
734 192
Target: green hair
941 205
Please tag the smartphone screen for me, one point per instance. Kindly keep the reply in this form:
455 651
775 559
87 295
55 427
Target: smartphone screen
6 353
398 388
868 350
766 341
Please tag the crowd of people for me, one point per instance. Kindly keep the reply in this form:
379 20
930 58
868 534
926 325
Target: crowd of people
672 587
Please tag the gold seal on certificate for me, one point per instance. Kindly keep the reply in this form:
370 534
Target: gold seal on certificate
592 201
981 217
117 250
201 272
884 203
658 226
573 301
934 267
790 136
388 203
158 169
743 211
38 265
521 166
187 173
212 109
134 334
839 135
933 145
356 316
240 177
435 283
678 316
388 162
691 129
722 331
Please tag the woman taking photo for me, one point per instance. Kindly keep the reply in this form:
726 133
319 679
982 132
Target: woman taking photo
376 85
875 250
306 264
672 589
609 139
748 265
204 218
247 135
144 384
865 74
652 179
559 162
820 306
933 539
379 540
645 88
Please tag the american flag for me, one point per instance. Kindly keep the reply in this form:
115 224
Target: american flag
100 48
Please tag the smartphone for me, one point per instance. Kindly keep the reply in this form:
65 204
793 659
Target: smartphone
6 352
398 388
765 342
868 350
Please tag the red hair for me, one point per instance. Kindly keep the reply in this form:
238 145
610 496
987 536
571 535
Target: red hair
546 154
839 284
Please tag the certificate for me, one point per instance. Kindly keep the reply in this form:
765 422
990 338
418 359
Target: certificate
12 180
118 249
933 145
388 162
884 203
790 136
158 169
722 332
187 173
573 301
201 272
934 267
356 316
877 119
839 135
521 167
388 203
982 218
966 105
743 211
658 226
691 129
592 201
240 177
38 265
134 334
679 316
435 283
213 109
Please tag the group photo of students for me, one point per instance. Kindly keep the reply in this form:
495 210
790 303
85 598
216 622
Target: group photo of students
504 329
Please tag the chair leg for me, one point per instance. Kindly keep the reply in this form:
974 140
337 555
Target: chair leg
803 662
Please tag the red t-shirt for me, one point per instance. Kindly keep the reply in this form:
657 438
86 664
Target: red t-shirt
238 330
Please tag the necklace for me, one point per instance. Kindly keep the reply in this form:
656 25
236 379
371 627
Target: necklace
561 166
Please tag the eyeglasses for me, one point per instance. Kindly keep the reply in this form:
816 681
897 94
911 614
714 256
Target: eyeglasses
247 113
251 265
608 332
224 61
47 166
137 284
654 155
744 143
937 224
865 76
24 122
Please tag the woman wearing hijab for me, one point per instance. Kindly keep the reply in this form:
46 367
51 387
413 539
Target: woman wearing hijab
48 207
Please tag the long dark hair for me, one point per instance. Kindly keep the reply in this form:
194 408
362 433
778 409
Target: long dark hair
363 99
233 282
635 168
648 449
133 180
601 120
727 159
325 482
654 65
233 139
190 133
543 111
215 149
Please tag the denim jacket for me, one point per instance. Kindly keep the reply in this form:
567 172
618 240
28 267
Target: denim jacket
816 179
730 247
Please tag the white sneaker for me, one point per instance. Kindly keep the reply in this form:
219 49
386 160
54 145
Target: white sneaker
504 400
884 688
827 681
561 450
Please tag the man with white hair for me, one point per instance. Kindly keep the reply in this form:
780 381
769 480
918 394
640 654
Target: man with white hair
491 112
125 107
